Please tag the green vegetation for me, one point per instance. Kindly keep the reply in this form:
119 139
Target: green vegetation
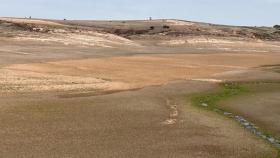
211 99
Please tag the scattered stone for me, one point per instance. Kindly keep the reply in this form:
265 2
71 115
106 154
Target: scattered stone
271 139
169 122
249 126
227 113
204 105
246 124
38 29
258 133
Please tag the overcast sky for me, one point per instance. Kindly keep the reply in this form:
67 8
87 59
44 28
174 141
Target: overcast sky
233 12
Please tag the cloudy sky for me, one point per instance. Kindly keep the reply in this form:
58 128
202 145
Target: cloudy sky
234 12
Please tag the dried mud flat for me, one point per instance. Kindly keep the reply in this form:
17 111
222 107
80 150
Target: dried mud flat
128 72
126 124
67 119
130 99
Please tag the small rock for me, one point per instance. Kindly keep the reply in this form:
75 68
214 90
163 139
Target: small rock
246 124
259 133
253 130
227 113
169 122
204 104
249 127
271 139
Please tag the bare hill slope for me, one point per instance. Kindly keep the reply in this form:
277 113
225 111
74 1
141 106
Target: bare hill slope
141 32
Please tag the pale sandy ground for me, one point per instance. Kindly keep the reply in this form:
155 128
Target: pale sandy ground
30 21
180 23
130 72
85 39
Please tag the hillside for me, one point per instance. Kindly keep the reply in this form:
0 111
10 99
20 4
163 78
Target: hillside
115 33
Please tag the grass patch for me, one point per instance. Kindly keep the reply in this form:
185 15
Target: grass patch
226 90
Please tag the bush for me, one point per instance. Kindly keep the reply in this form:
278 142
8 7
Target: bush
276 26
166 27
152 27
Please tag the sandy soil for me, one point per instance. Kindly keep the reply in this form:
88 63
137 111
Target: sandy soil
131 71
93 39
30 21
180 23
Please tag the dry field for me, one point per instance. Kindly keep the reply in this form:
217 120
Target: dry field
128 72
262 106
115 89
152 122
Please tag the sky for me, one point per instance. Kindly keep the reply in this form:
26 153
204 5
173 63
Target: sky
230 12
